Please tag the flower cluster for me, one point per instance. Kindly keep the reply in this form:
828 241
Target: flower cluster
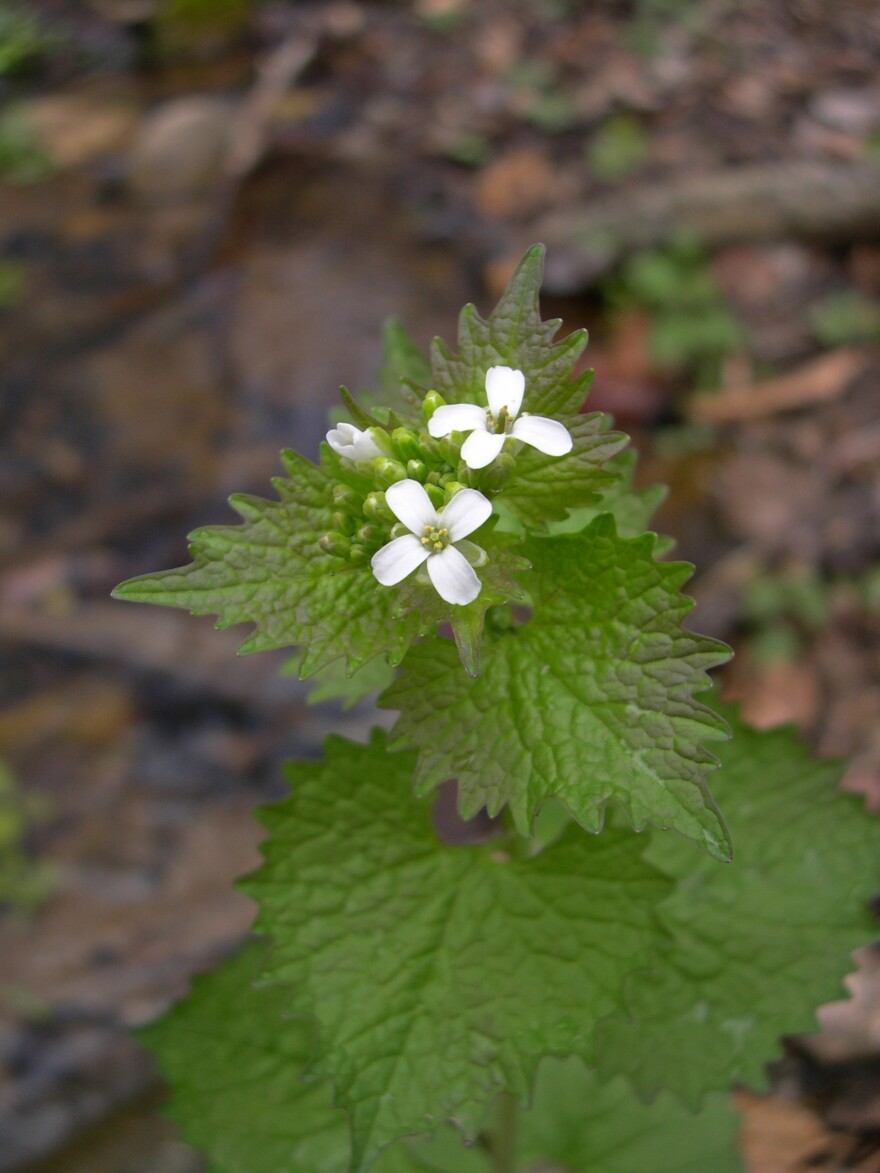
430 489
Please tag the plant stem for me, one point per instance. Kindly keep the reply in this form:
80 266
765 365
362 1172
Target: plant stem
504 1135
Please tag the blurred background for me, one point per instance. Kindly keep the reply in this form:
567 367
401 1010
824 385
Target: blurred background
207 210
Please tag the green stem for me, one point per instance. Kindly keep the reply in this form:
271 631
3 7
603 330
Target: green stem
504 1135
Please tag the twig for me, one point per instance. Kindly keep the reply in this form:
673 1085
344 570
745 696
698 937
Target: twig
822 379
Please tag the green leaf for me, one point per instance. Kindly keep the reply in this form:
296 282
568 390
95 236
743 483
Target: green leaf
514 335
234 1064
335 683
591 700
235 1073
402 362
760 943
427 968
581 1126
633 508
545 488
271 572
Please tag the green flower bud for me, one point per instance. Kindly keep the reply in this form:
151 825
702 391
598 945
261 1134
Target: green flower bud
418 470
399 530
358 554
430 403
368 534
382 440
343 522
465 475
336 544
388 472
406 444
499 473
453 487
375 508
431 449
438 497
346 499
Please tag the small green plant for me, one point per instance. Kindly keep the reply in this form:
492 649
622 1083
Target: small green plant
540 97
845 317
618 148
405 999
24 40
692 328
13 284
22 158
24 882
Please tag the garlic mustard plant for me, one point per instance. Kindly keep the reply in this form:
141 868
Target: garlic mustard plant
490 426
407 1005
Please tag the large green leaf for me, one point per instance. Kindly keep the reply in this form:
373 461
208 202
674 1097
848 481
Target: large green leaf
760 943
591 700
235 1064
438 977
577 1124
270 571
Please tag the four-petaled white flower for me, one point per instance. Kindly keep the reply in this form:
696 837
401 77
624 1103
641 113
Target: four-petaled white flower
348 441
490 427
431 540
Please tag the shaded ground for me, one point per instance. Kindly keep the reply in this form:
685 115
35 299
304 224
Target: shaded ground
199 242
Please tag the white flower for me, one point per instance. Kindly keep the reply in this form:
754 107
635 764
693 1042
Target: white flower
431 540
348 441
490 427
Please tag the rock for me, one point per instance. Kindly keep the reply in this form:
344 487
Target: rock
180 150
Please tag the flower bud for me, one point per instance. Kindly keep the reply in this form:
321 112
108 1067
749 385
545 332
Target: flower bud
430 403
451 488
375 508
438 497
406 444
388 472
381 439
431 449
343 522
499 473
368 534
357 554
346 499
336 544
418 470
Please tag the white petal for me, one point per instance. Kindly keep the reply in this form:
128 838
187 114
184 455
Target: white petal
504 388
548 436
466 512
410 504
399 558
452 576
348 441
481 448
456 417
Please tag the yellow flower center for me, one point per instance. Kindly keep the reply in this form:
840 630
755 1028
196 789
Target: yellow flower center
435 538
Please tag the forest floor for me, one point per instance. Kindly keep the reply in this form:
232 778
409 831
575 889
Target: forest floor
202 229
